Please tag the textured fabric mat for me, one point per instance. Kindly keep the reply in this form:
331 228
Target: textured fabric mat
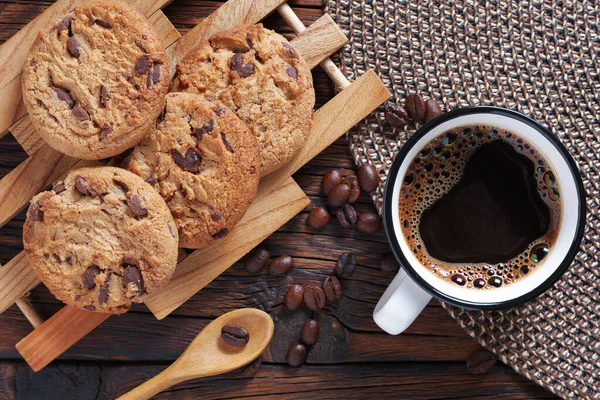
540 58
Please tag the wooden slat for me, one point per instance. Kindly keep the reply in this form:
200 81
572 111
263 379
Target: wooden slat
51 339
270 210
16 279
319 40
14 52
24 131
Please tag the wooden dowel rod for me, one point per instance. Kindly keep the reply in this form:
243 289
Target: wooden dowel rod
27 309
328 66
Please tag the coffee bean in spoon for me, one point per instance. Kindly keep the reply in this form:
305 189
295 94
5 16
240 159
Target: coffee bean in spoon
310 332
345 266
415 107
281 265
368 178
396 116
432 110
330 180
318 217
339 195
257 259
314 298
347 216
293 297
332 288
296 354
352 181
388 263
235 335
368 222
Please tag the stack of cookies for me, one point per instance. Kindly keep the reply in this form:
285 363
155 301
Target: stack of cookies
96 84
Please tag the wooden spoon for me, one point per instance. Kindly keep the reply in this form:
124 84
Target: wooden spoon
209 354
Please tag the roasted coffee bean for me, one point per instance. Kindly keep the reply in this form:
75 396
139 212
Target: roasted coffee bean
368 178
388 263
204 129
314 298
293 297
103 24
257 259
59 187
346 215
73 45
89 275
432 110
143 65
190 162
104 96
346 264
136 207
332 288
396 116
481 362
62 95
310 332
235 335
368 222
236 64
281 265
415 107
352 181
296 354
81 186
65 24
226 143
34 212
132 274
292 72
318 217
339 195
330 180
104 291
80 113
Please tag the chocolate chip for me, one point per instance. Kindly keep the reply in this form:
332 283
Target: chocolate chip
34 213
89 275
415 107
190 162
59 187
161 116
89 308
132 274
62 95
156 72
65 24
140 46
149 81
236 64
235 335
481 362
80 113
136 206
104 96
143 65
69 260
73 45
228 145
220 233
290 50
216 216
105 131
144 37
103 24
122 185
56 258
219 110
204 129
129 260
292 72
103 292
81 185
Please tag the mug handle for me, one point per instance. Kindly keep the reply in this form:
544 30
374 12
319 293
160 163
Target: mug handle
400 304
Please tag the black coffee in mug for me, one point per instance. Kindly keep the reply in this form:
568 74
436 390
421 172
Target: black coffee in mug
480 206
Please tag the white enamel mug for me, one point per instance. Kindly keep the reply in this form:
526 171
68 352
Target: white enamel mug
415 285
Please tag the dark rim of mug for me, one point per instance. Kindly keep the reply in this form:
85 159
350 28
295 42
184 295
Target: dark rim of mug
393 240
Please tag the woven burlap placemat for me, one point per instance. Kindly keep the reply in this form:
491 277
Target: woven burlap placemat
537 57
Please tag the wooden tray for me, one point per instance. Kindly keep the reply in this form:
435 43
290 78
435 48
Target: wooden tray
279 198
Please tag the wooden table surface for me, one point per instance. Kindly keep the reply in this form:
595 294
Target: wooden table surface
353 359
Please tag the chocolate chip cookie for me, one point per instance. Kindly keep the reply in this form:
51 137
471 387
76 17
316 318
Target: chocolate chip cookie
101 239
204 161
259 76
95 81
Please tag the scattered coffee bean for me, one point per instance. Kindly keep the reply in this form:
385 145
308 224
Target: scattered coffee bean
143 65
339 195
34 212
293 297
236 64
136 207
332 288
330 180
368 178
346 264
310 332
318 217
481 362
89 275
388 263
62 95
396 116
132 274
368 222
352 181
281 265
432 110
257 259
73 45
415 107
80 113
346 216
314 298
190 162
235 335
296 354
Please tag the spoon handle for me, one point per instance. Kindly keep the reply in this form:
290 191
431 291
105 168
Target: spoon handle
160 382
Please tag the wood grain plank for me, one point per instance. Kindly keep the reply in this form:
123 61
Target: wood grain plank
16 279
319 41
51 339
